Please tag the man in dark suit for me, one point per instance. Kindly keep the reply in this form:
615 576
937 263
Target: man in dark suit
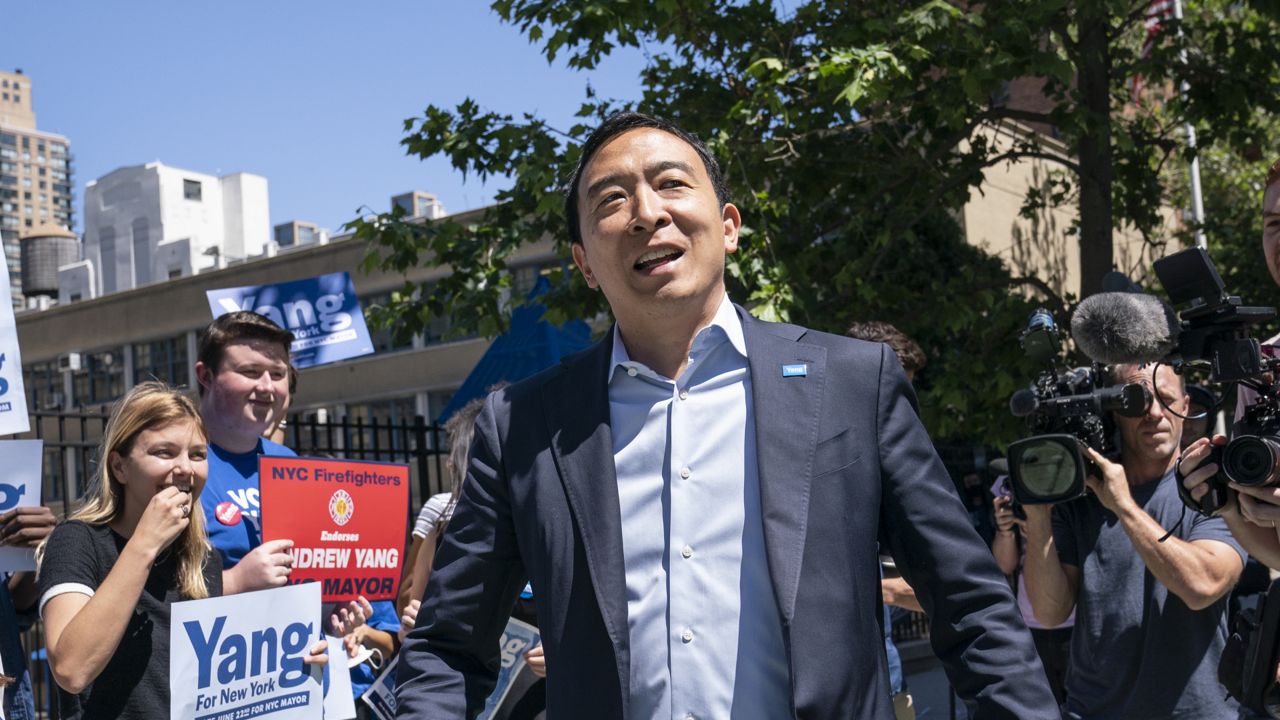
698 499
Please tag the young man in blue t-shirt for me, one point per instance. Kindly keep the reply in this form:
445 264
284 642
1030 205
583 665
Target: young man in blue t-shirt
243 370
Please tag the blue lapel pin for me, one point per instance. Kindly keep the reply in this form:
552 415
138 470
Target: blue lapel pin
800 370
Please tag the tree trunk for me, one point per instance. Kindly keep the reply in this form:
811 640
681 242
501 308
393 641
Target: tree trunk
1096 174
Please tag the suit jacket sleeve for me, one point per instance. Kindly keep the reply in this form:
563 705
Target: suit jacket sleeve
449 661
975 627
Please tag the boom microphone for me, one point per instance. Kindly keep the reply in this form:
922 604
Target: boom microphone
1120 328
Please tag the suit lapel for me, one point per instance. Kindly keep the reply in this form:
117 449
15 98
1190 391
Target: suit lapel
576 402
787 409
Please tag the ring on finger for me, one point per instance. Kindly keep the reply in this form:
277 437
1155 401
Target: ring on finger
186 511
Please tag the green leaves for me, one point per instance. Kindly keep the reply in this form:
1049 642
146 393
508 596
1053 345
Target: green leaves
851 133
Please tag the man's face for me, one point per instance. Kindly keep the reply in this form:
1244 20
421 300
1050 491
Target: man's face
1271 229
1156 435
249 389
653 232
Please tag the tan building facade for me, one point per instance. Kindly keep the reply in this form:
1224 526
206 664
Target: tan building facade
1043 245
35 174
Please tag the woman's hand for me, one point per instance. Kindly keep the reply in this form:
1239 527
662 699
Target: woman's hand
318 654
409 618
537 661
163 520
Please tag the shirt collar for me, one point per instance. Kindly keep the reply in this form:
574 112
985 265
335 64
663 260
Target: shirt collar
726 319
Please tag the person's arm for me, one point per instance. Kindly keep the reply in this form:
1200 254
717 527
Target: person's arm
25 527
1198 572
1252 514
408 591
266 566
83 632
1051 584
1005 545
445 663
897 592
974 624
422 564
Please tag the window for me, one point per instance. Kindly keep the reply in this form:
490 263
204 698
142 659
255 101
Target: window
26 210
8 138
284 235
383 339
100 378
26 183
8 154
6 96
306 235
44 385
107 252
175 273
191 190
164 360
141 251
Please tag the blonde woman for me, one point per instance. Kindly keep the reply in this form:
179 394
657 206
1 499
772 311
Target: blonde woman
108 574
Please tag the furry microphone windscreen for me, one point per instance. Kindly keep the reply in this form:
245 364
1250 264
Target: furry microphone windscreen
1118 328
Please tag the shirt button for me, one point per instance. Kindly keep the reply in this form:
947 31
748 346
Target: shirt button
685 473
686 636
684 394
687 551
631 372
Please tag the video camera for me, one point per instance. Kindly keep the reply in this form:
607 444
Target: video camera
1213 332
1064 409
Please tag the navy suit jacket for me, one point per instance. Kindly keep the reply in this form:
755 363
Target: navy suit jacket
843 462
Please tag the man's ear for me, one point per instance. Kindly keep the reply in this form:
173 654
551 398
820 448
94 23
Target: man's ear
580 259
204 375
732 220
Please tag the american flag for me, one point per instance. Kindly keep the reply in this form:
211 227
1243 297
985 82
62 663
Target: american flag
1158 13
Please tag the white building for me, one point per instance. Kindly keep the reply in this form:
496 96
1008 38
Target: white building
150 223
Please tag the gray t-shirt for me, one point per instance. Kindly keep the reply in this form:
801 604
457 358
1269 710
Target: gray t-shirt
1138 651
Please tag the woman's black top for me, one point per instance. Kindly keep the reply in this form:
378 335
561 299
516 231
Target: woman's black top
135 683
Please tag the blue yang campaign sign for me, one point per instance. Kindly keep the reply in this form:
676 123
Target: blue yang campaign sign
322 313
19 487
13 399
240 657
517 639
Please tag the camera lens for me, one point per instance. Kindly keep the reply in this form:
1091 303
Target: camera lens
1252 460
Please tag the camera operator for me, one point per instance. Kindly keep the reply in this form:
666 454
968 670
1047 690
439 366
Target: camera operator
1149 580
1252 513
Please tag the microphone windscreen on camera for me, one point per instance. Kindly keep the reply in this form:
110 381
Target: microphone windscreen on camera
1118 328
1023 403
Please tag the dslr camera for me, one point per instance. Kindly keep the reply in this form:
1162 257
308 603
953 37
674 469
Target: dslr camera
1213 333
1064 409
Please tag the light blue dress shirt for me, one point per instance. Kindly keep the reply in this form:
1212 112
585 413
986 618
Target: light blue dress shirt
704 627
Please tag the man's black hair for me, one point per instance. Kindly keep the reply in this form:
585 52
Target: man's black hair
614 126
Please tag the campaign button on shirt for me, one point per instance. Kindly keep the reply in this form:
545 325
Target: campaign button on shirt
228 513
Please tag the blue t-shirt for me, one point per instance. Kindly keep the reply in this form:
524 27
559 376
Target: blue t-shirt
231 501
1137 651
385 619
17 699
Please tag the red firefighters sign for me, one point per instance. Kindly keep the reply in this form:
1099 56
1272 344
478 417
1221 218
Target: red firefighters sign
346 519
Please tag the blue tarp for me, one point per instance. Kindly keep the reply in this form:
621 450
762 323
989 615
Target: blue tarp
531 344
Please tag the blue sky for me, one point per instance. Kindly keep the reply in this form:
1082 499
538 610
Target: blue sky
312 95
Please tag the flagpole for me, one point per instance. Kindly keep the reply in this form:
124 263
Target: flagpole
1197 199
